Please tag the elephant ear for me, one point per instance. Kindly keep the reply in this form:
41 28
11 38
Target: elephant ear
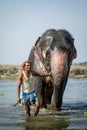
37 41
74 53
31 55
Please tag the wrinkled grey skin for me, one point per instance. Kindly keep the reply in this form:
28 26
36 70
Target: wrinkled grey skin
53 52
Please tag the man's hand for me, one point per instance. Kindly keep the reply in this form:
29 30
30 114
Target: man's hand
19 100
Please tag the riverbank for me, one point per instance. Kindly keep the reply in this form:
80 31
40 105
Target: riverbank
9 71
78 71
12 71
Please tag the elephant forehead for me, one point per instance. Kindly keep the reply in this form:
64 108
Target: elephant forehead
50 38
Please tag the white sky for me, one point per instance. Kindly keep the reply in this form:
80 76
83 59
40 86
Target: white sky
23 21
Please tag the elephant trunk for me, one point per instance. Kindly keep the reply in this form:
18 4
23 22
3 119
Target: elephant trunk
59 70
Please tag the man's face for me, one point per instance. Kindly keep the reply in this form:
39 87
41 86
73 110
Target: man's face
27 66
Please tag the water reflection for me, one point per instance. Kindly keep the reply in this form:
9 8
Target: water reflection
45 123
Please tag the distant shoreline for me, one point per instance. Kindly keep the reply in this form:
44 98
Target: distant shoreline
12 71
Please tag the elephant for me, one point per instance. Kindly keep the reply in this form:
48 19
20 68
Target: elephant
52 53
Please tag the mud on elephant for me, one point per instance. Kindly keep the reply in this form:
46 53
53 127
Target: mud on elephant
53 52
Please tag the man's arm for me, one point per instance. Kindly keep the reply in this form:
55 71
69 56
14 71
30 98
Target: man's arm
19 86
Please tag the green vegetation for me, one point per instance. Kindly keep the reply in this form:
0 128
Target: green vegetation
11 71
78 71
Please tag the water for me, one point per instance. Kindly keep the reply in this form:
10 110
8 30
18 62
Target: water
72 117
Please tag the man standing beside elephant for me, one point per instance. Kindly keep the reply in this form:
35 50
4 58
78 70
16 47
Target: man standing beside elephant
25 80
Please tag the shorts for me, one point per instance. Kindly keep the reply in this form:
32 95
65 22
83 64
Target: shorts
29 97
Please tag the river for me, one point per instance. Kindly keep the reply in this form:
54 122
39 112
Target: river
73 115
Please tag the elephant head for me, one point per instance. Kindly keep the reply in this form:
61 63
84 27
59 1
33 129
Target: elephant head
54 52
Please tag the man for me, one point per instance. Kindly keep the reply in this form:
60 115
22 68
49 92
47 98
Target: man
25 80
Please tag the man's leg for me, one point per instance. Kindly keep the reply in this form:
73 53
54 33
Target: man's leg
27 107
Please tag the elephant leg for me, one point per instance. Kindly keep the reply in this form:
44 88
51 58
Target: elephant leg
56 100
43 94
40 91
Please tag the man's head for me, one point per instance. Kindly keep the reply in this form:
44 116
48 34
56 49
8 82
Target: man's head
26 65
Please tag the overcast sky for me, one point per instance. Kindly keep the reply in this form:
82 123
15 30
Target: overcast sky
23 21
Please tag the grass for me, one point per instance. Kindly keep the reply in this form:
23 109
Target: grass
12 71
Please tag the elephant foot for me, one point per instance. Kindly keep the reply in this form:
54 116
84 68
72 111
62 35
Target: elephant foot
58 109
43 106
55 108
